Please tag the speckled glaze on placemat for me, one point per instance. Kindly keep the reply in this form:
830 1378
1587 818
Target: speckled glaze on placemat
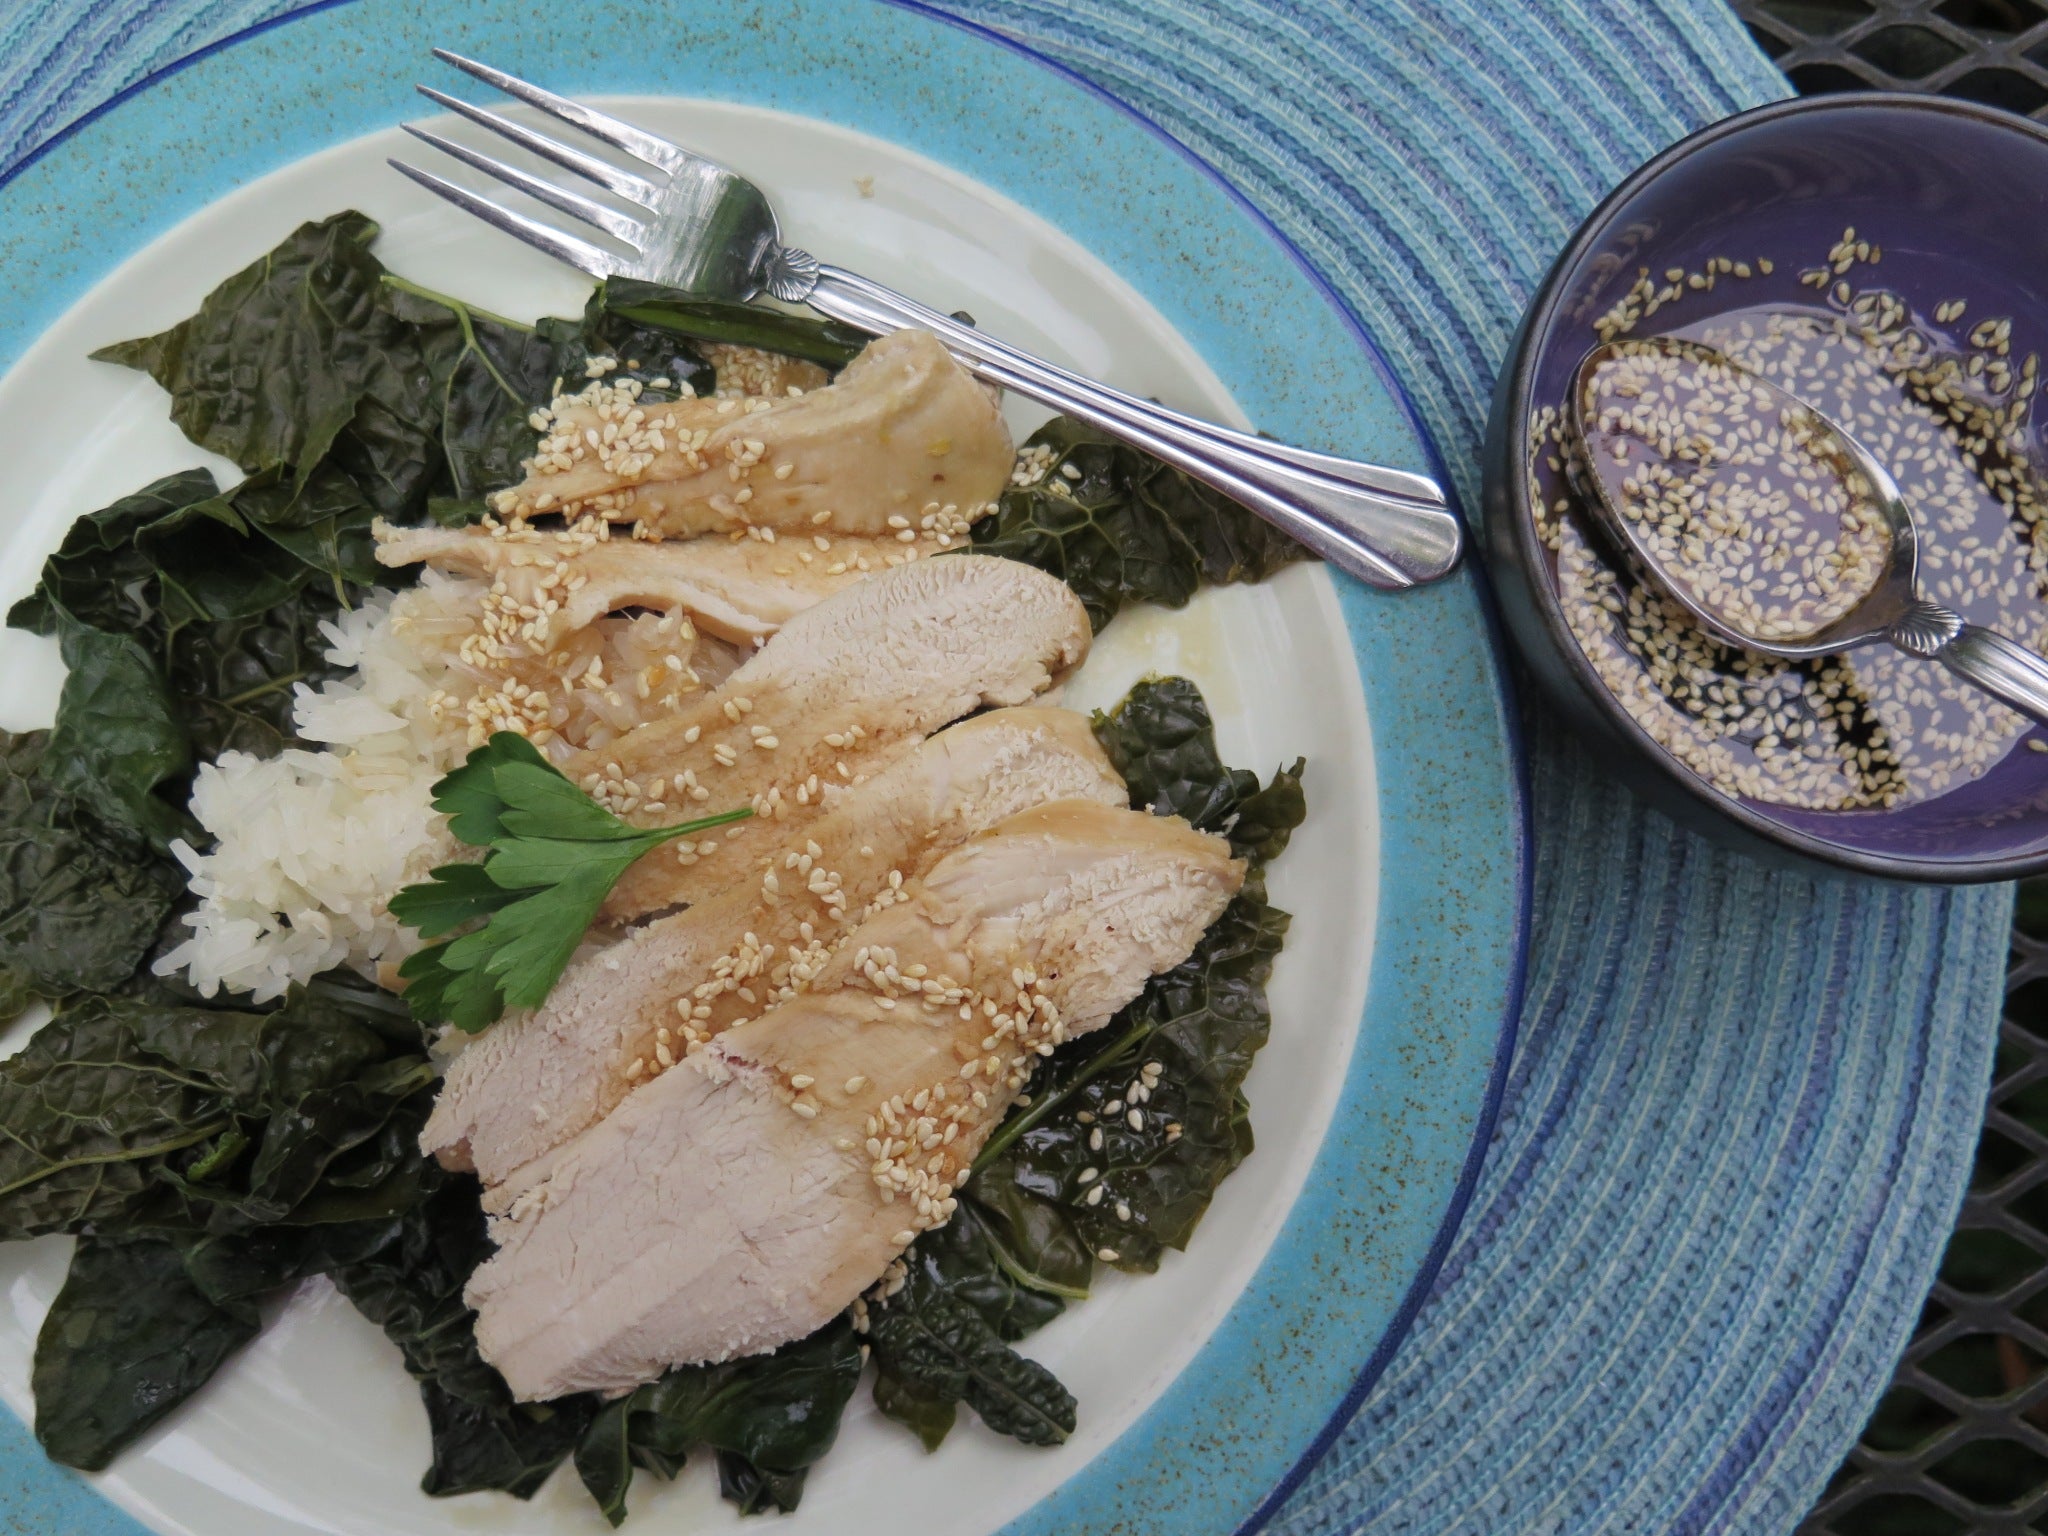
1739 1122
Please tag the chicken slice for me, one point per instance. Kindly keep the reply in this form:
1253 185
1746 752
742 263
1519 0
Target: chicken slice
748 1196
737 589
843 689
536 1080
904 434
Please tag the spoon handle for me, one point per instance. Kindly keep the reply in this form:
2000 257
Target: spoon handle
2010 673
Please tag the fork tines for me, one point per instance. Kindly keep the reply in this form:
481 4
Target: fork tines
641 193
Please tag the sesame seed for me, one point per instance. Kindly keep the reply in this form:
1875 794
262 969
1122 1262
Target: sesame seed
1869 728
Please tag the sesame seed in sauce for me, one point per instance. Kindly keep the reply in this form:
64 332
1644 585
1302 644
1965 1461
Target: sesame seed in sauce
1870 728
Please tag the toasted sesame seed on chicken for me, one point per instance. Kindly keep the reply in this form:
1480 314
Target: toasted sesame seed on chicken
536 1080
903 428
842 690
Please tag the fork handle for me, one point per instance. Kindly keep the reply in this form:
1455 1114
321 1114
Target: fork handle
1386 527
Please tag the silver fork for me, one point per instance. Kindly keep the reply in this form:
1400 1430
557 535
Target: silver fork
697 226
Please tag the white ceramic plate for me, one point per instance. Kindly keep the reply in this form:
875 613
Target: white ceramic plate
316 1427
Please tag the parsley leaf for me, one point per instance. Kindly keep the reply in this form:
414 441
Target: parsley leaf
554 856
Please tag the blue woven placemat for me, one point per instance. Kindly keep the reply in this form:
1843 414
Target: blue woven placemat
1740 1120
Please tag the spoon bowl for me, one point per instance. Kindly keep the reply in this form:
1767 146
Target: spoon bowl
1891 609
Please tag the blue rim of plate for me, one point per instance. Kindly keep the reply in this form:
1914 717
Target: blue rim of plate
1266 1394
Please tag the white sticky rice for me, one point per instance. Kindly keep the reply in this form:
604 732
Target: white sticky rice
311 845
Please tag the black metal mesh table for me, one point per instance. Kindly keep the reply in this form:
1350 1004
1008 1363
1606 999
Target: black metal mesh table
1960 1441
1993 51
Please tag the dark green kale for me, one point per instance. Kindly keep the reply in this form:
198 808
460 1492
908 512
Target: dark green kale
943 1338
184 624
412 1289
490 375
81 899
1161 739
232 681
1118 526
769 1418
167 555
143 1322
298 359
1184 1048
629 316
131 1115
206 1157
321 520
772 1414
128 1339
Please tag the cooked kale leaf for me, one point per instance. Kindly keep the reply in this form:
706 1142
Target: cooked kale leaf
321 521
143 1322
233 680
1161 739
942 1337
118 736
652 311
778 1413
1118 526
769 1417
490 375
1201 1023
105 572
945 1351
207 1157
16 993
129 1115
129 1338
412 1289
297 357
185 617
80 900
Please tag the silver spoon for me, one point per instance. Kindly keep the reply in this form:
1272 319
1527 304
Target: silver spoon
1893 610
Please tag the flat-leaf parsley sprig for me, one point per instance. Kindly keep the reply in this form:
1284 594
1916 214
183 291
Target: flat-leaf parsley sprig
555 854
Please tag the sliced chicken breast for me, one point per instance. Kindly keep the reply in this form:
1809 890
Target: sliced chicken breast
904 434
626 1013
739 589
749 1195
843 689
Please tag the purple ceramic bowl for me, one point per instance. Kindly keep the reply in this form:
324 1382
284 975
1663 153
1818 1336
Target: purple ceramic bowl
1957 194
